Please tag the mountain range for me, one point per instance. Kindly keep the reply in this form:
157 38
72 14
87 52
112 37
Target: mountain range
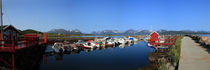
127 32
63 31
143 32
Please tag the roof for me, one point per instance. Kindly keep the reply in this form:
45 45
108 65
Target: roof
7 26
153 33
154 36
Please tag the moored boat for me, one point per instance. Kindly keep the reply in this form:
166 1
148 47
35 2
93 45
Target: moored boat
58 47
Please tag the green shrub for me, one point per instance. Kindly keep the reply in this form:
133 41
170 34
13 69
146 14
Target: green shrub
176 49
163 65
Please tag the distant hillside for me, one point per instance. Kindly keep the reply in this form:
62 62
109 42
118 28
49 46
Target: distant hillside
63 31
29 31
118 32
144 32
108 32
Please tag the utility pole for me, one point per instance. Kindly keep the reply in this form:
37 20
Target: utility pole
1 14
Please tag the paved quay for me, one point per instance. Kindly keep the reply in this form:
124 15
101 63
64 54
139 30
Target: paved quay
193 56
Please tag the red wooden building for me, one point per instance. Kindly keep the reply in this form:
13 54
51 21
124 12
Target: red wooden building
154 36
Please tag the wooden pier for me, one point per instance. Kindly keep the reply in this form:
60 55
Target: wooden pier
157 43
11 46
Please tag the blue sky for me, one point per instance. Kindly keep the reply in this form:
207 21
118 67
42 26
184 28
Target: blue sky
96 15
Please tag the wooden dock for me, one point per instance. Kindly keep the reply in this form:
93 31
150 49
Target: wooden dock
11 46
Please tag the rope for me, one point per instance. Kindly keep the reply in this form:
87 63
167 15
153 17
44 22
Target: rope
6 14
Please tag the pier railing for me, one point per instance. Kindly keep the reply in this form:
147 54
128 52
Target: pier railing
27 41
167 42
10 46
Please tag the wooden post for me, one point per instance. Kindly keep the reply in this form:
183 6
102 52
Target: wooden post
45 38
13 46
25 41
13 61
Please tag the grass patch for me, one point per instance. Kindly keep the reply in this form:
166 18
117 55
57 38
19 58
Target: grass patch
162 64
175 50
174 54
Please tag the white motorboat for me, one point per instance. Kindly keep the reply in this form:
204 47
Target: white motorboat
122 45
58 47
88 46
122 41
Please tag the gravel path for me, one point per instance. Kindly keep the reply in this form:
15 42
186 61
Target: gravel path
193 56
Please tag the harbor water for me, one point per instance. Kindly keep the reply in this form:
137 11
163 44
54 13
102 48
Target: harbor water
123 57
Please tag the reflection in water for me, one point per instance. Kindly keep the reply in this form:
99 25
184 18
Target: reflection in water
135 42
131 57
24 59
58 56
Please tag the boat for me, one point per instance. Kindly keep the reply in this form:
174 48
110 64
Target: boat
146 38
122 41
74 47
80 43
88 46
58 47
110 43
148 44
131 39
122 45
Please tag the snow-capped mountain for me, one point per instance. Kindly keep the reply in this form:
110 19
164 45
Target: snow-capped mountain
108 32
63 31
130 32
75 31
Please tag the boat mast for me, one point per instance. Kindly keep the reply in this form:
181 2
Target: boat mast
151 28
1 14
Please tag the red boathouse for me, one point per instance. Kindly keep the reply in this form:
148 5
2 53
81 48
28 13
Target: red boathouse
154 36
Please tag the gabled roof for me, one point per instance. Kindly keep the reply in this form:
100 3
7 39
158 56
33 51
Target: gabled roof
7 26
153 33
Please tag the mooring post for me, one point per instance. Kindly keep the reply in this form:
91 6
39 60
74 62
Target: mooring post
45 38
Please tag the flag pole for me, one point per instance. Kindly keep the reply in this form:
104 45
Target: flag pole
1 14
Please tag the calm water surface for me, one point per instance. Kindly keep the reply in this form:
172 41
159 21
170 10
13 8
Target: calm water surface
116 58
97 36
